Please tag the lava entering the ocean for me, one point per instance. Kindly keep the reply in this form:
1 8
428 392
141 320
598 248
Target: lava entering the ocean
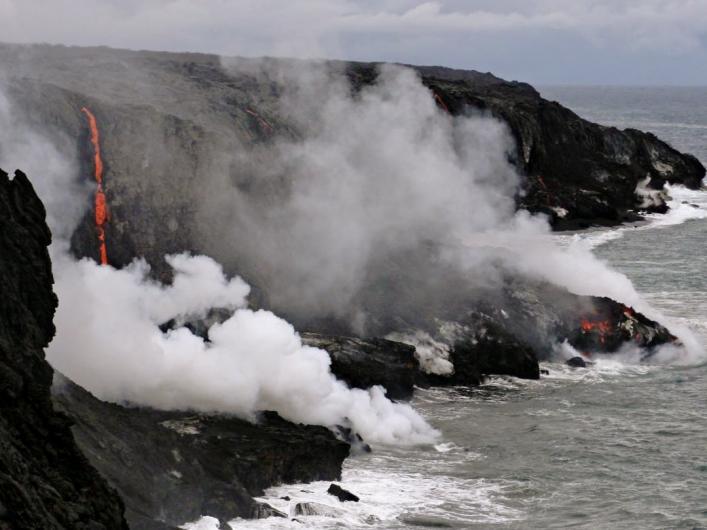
101 212
602 327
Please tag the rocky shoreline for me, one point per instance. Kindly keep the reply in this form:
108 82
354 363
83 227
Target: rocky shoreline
69 460
169 467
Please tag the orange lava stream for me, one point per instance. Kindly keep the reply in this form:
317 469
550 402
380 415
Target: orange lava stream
262 121
101 213
603 327
440 102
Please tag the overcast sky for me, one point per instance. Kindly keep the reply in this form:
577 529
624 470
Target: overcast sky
540 41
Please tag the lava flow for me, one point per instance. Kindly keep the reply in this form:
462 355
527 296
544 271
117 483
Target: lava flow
602 327
101 213
261 121
440 102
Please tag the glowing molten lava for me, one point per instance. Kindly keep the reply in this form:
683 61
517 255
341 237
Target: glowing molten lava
101 213
261 121
440 102
602 327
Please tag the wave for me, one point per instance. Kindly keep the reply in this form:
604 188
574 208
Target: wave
685 205
639 124
389 499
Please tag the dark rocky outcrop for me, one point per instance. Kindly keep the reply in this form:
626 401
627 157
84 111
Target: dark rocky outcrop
316 508
577 172
172 467
610 326
363 363
576 362
541 316
45 481
342 494
490 350
168 467
165 114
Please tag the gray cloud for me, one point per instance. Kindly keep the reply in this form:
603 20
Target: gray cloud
512 37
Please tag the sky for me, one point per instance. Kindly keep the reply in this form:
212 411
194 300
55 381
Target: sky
625 42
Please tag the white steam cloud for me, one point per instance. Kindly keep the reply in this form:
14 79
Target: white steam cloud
108 338
369 176
109 341
53 174
375 174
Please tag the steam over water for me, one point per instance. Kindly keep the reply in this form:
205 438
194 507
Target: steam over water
614 446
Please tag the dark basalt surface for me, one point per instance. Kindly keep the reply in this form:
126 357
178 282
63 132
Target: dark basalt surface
171 467
541 316
588 170
45 481
490 350
363 363
610 326
342 494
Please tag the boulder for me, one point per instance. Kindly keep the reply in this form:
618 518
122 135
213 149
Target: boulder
316 508
576 362
342 494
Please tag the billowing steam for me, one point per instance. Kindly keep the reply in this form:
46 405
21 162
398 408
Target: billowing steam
366 177
53 173
109 339
369 176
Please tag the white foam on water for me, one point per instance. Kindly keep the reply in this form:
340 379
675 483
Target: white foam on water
685 204
204 523
387 499
602 369
397 488
445 447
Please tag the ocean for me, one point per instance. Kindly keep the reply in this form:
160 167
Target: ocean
612 446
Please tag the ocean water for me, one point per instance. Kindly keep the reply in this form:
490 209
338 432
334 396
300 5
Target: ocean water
611 446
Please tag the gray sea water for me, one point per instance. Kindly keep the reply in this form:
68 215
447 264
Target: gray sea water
612 446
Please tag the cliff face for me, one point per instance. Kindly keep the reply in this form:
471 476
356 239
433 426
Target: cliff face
171 467
166 118
577 172
168 467
45 481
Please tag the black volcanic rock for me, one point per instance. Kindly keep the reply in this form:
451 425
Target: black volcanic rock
577 172
45 481
542 315
318 509
576 362
610 325
493 350
342 494
363 363
171 467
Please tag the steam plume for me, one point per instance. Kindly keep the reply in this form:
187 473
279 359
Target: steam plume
365 178
109 339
